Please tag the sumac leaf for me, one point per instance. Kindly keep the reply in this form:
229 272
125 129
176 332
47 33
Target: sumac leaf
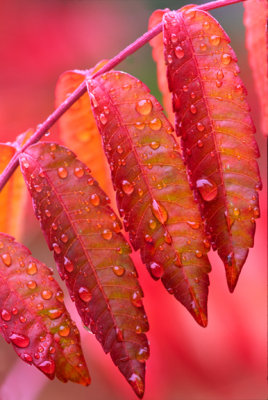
77 127
34 318
212 118
158 56
153 194
255 20
91 254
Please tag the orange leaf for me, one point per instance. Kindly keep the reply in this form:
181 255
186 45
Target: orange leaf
212 118
77 127
14 195
158 56
255 20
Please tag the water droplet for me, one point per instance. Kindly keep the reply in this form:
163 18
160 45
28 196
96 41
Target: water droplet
140 125
206 243
38 188
156 270
118 270
155 124
31 284
198 253
84 294
193 109
215 40
207 189
60 296
179 52
206 25
62 172
193 224
64 238
169 59
56 248
154 145
148 238
6 316
200 143
159 212
167 237
226 58
26 357
136 299
103 119
138 329
127 187
185 88
46 294
256 212
48 367
107 234
94 199
200 127
19 340
119 334
203 47
116 227
48 213
152 224
68 265
143 354
64 330
14 311
220 75
55 313
22 319
140 192
79 172
54 226
144 107
236 212
218 83
6 258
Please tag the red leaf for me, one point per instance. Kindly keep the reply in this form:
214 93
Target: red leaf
158 56
77 127
212 118
153 194
255 20
34 317
91 254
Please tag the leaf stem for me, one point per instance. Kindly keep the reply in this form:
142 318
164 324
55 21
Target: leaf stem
52 118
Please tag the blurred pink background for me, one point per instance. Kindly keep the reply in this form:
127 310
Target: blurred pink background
39 39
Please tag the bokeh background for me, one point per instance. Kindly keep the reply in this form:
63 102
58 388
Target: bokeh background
39 39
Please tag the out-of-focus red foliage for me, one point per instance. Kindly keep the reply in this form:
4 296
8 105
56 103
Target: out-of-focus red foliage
39 39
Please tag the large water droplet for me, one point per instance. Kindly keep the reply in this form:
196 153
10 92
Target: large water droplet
136 299
200 126
226 58
193 224
31 285
84 294
62 172
118 270
155 124
56 248
207 189
19 340
6 316
215 40
64 330
127 187
179 52
144 107
46 294
236 212
143 354
193 109
159 212
6 258
79 172
94 199
55 313
156 270
167 237
48 366
68 265
103 119
107 234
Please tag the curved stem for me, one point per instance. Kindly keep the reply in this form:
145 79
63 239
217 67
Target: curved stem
132 48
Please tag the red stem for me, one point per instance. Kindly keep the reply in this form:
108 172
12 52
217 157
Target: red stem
50 121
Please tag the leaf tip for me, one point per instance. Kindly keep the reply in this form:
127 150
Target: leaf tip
200 316
137 384
234 266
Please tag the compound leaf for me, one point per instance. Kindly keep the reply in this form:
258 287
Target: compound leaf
217 133
91 254
153 194
34 318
